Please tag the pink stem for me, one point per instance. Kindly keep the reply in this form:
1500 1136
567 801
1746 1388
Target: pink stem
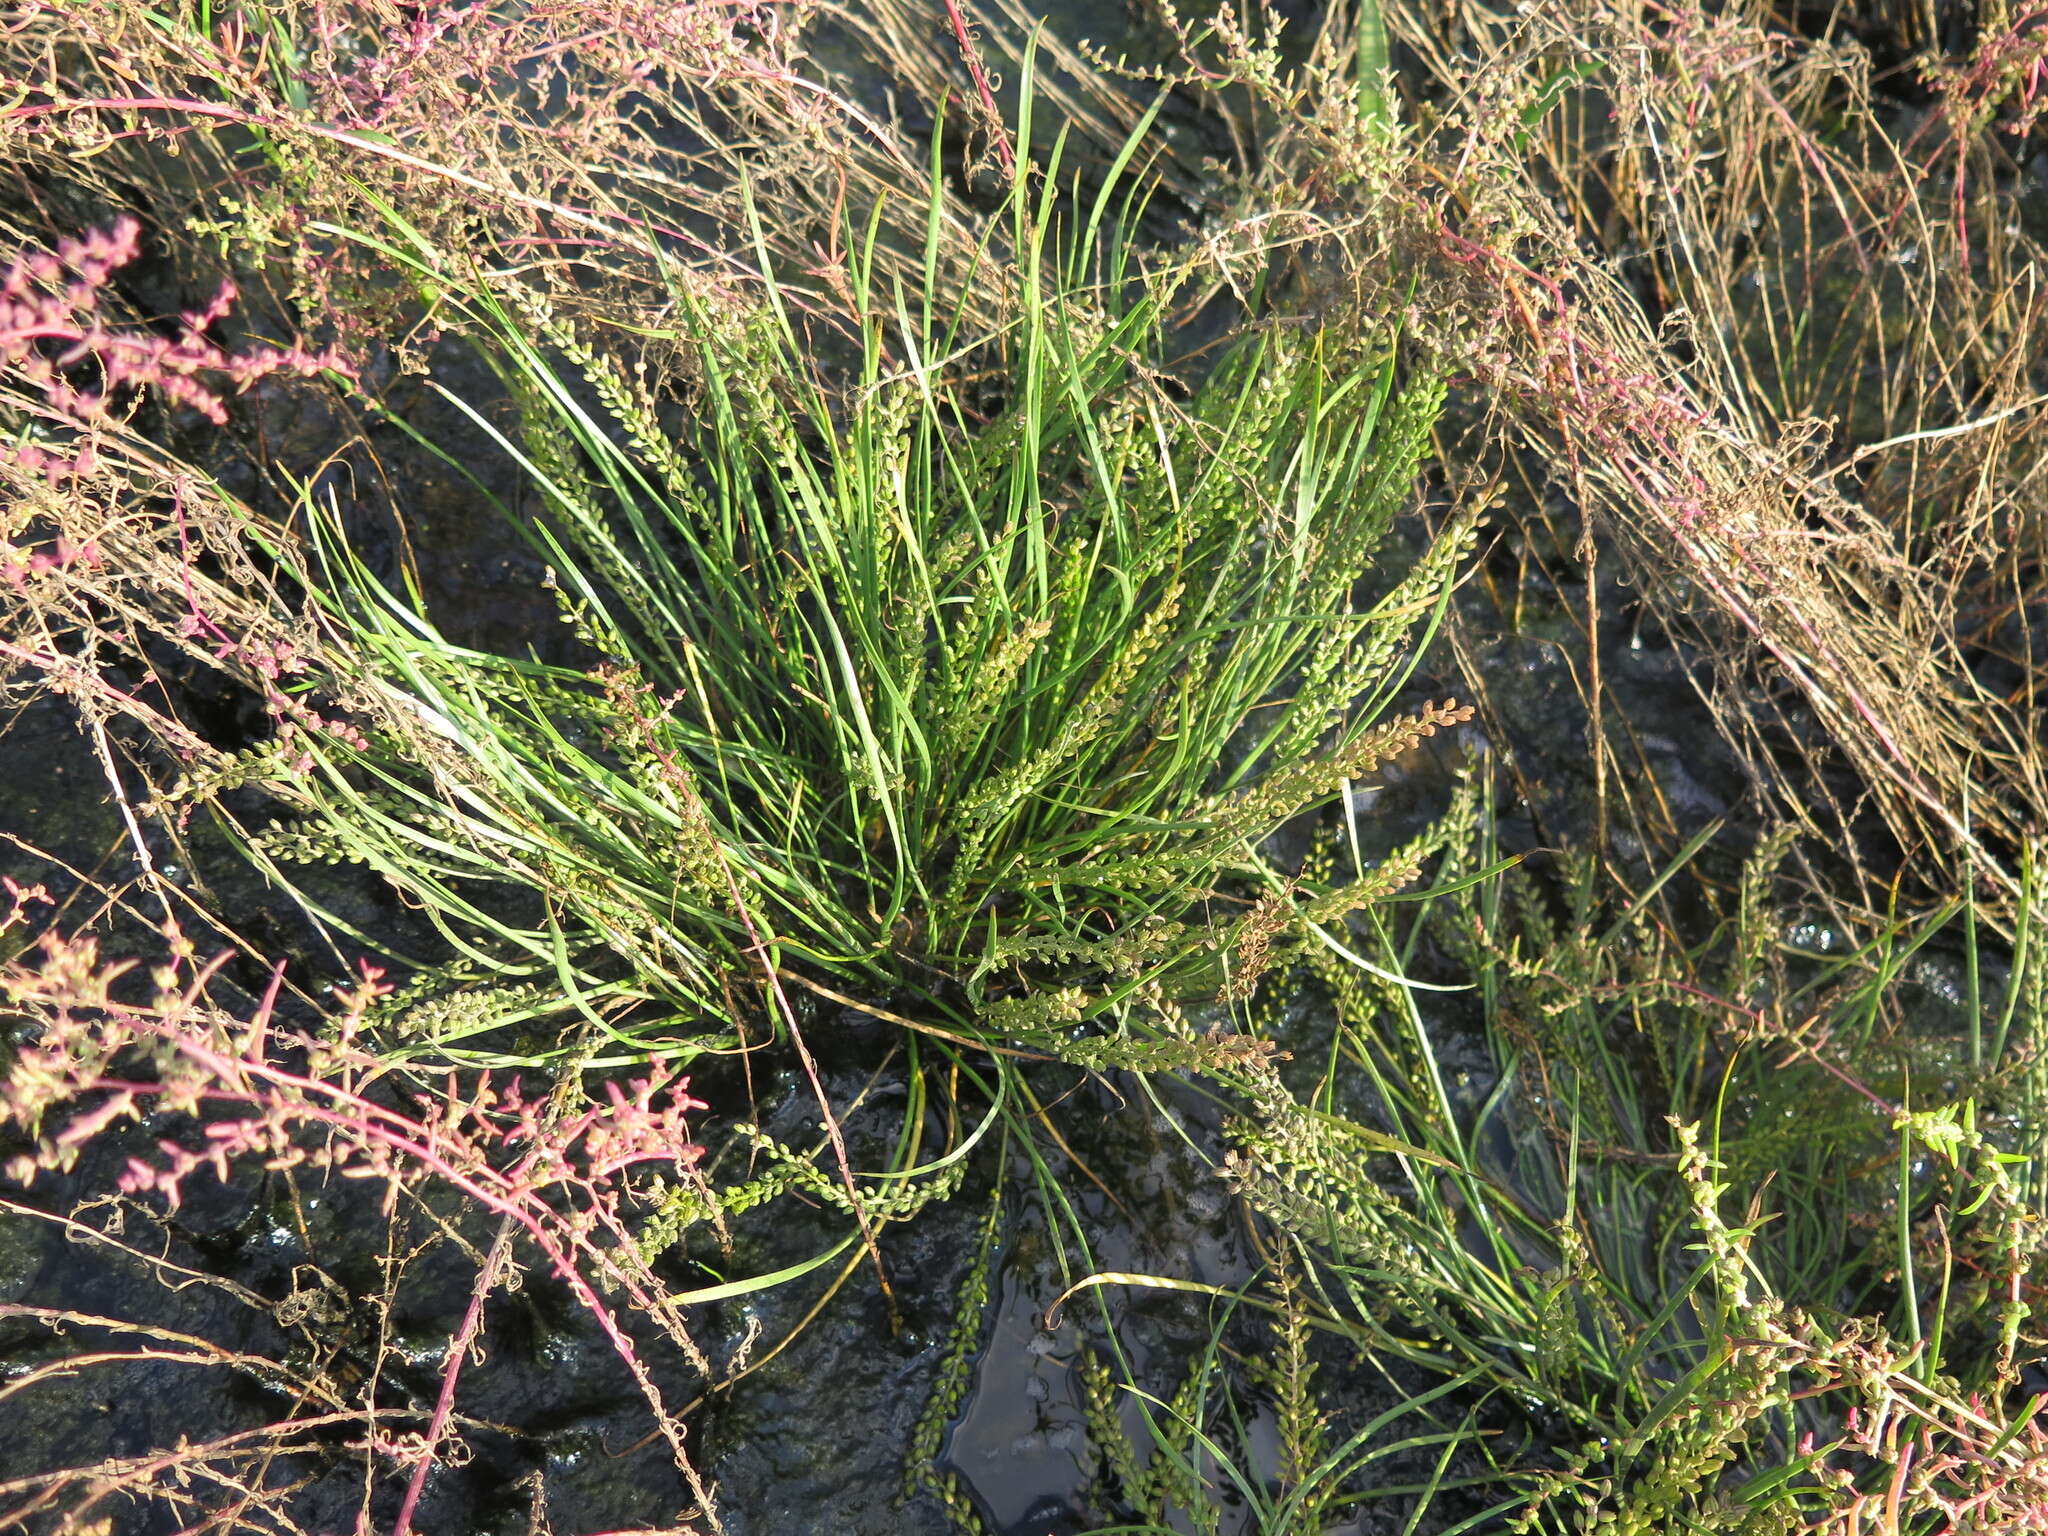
458 1353
971 56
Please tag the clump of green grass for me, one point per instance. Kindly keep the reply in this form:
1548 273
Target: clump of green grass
971 679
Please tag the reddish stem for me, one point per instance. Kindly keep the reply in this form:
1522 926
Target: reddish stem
971 56
458 1353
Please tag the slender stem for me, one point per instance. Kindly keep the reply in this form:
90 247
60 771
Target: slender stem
971 56
458 1353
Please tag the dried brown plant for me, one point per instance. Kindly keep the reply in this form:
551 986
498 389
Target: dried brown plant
1784 340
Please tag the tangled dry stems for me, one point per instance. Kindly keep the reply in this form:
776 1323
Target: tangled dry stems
248 1093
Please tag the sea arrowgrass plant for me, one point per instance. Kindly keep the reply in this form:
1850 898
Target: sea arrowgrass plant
972 678
1733 1237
